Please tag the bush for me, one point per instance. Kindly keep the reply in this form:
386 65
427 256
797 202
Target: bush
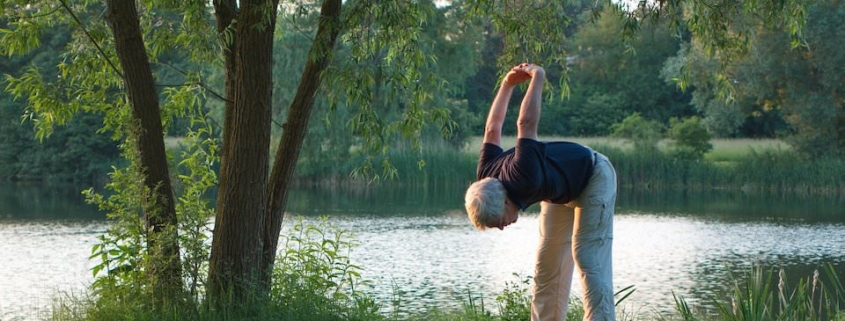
644 133
314 279
690 139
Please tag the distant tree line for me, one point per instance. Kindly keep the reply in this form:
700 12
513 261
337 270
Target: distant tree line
76 152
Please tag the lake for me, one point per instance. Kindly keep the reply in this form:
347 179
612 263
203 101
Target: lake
417 244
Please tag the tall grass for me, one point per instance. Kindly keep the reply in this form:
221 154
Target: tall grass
777 172
433 167
752 166
762 295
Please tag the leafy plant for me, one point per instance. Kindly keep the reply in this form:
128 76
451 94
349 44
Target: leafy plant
121 249
515 300
124 249
314 277
757 297
690 139
198 162
643 133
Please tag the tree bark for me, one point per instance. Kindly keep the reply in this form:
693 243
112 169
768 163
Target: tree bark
236 251
164 265
294 130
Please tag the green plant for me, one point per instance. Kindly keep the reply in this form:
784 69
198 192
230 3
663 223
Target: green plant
123 251
515 300
644 133
198 162
314 278
756 297
690 139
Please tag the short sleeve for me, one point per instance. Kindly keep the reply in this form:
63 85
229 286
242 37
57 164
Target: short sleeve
489 152
528 161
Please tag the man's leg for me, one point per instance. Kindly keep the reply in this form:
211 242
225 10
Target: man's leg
593 239
553 268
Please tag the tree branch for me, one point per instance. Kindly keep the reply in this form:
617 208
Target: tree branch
200 83
90 37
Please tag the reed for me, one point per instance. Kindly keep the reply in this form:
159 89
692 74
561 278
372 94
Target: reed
764 295
751 166
770 171
431 167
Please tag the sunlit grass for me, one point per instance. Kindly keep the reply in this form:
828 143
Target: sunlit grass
750 165
734 149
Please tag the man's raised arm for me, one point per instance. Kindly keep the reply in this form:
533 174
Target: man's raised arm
529 111
496 117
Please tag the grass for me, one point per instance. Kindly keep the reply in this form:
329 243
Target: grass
733 149
766 295
723 149
749 165
171 142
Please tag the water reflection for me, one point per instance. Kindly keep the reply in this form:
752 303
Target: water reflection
733 205
691 244
39 202
698 257
40 259
416 243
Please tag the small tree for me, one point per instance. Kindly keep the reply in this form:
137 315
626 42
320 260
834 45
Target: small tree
643 133
690 140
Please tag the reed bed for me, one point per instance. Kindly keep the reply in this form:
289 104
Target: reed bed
751 166
771 172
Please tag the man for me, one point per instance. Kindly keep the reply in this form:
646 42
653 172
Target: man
576 188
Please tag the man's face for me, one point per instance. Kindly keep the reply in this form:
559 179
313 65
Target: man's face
509 217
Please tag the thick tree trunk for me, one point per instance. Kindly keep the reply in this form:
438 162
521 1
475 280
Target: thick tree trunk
235 266
295 128
159 210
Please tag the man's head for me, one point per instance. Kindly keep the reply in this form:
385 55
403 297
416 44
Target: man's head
487 205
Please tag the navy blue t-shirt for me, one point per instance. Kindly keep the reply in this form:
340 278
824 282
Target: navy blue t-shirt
535 171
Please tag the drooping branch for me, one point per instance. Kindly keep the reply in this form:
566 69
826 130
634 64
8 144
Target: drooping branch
91 38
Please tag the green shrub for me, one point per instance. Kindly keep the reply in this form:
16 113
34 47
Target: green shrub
690 140
314 278
515 301
645 134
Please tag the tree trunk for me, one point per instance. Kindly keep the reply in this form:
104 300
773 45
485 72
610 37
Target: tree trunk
295 128
234 268
164 266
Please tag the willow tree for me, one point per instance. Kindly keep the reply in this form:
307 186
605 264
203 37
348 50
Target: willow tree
106 69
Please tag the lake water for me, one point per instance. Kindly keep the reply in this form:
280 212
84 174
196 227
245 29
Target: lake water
418 242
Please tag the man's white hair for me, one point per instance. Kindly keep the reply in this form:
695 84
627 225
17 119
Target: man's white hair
485 201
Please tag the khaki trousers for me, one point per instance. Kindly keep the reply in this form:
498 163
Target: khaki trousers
579 233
